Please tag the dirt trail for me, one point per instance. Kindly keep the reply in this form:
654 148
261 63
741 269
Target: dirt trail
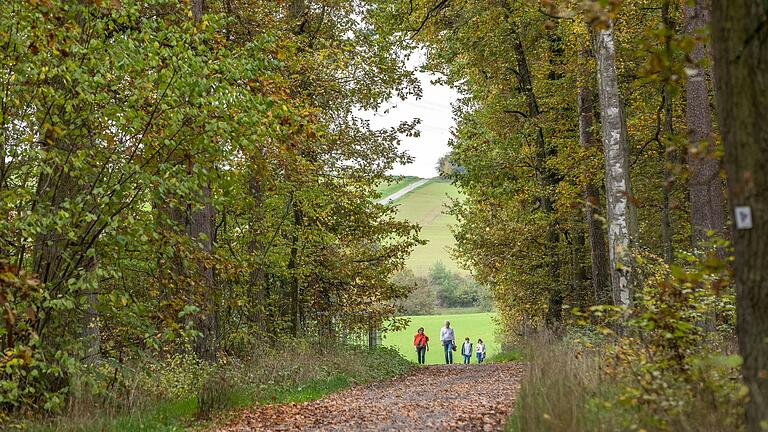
432 398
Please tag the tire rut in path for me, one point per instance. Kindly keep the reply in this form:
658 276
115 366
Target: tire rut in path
432 398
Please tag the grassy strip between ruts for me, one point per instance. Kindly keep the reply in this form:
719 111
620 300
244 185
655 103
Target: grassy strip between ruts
346 366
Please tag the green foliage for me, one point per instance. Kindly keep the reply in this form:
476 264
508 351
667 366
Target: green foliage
184 188
443 289
670 364
456 291
521 227
422 298
28 378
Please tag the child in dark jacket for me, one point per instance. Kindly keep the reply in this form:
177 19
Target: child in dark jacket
466 350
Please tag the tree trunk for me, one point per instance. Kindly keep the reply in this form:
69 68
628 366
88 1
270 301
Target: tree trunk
54 188
669 151
621 219
293 269
201 233
296 9
199 227
601 285
740 42
705 186
670 159
257 249
546 179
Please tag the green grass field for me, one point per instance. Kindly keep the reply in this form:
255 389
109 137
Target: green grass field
389 187
474 326
427 206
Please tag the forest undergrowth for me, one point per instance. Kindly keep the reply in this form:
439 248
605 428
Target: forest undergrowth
664 365
179 391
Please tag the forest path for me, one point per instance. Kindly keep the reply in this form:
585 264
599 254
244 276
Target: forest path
431 398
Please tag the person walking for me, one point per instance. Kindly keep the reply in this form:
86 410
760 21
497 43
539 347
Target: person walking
421 342
449 341
480 351
466 350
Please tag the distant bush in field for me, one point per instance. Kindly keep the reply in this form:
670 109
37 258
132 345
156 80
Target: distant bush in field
441 288
454 290
422 299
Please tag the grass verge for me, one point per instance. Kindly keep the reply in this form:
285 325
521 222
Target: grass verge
570 388
296 374
506 356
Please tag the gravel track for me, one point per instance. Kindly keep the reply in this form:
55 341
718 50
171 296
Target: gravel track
432 398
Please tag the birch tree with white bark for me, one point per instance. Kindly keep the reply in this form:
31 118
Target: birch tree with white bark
618 190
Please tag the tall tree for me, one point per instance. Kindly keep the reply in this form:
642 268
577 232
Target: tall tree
618 190
705 186
601 282
668 149
740 42
190 217
546 176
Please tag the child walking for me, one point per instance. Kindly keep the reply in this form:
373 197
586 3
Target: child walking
466 350
480 351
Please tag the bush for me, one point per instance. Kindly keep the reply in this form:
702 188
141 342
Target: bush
456 291
667 368
178 375
215 394
32 377
421 300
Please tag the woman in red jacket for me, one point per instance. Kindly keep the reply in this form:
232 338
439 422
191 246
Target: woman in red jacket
421 342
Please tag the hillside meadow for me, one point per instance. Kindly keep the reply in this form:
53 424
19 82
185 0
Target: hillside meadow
427 206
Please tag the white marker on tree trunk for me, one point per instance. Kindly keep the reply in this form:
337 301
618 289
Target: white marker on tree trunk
620 214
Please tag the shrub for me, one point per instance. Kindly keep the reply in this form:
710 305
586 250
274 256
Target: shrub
31 377
215 393
660 365
421 300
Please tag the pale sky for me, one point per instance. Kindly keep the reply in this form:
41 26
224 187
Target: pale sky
434 110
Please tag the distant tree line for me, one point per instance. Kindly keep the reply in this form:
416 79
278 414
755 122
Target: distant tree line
441 288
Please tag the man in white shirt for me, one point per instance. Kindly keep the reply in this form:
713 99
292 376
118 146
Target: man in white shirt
448 341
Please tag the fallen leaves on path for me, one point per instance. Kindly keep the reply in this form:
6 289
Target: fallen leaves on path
438 398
